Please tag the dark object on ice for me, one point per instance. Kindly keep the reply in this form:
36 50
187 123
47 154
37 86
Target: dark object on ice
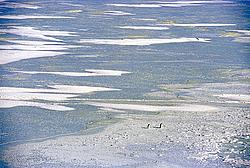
159 126
197 38
147 127
178 95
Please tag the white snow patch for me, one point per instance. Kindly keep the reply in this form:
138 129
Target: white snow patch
154 5
89 72
240 97
14 103
175 4
245 32
19 5
35 33
20 17
144 19
193 2
80 89
143 27
8 56
33 96
199 25
27 42
36 47
142 42
187 107
57 89
117 13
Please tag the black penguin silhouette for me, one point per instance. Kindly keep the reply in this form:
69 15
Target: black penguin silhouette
158 126
147 127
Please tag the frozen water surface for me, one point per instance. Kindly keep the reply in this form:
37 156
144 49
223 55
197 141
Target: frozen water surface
119 83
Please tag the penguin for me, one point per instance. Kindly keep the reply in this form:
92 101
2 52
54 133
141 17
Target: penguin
158 126
147 127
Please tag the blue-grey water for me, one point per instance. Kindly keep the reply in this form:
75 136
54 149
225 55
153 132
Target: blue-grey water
150 65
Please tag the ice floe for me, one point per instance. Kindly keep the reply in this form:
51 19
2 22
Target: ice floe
15 103
143 27
117 13
20 17
67 89
28 42
230 34
26 49
35 33
33 96
79 89
36 47
8 56
137 5
199 25
144 19
151 108
206 92
243 36
18 5
151 5
176 4
71 4
74 11
192 2
112 110
245 32
142 42
240 97
242 39
16 96
89 72
107 72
